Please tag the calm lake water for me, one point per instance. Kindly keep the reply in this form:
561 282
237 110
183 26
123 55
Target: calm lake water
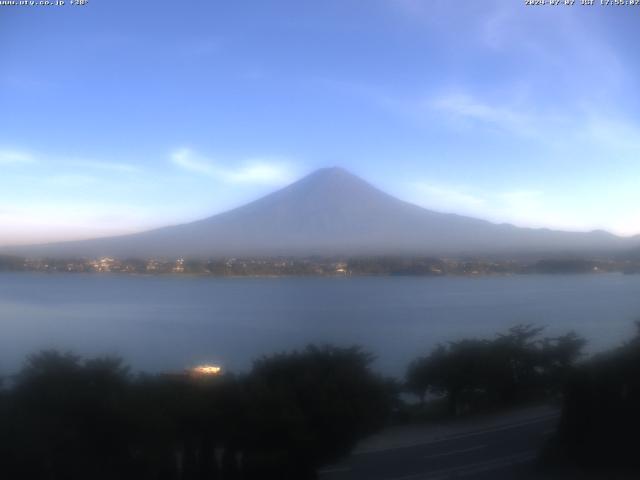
166 323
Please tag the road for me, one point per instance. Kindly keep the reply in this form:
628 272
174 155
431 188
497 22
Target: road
504 451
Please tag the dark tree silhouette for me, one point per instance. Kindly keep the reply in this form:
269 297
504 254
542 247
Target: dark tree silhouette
65 418
601 415
314 405
513 367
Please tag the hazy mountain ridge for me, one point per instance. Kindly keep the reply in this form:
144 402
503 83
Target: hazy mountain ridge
332 212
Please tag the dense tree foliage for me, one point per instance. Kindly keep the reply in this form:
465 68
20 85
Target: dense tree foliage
513 367
64 418
10 263
601 413
386 265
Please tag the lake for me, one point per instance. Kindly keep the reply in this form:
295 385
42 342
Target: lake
166 323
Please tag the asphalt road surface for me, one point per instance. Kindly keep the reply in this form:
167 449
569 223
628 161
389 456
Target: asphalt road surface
502 452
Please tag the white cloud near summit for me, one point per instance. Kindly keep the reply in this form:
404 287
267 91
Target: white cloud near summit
258 170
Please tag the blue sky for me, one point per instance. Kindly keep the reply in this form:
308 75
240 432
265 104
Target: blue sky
119 116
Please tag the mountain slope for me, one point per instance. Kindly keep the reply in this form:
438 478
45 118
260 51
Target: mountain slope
334 212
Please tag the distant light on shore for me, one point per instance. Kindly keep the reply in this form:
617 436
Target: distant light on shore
206 370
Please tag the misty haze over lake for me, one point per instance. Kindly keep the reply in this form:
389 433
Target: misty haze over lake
162 323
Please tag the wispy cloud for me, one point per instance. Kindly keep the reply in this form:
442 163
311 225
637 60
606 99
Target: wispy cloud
71 180
613 133
260 170
40 222
15 157
109 166
585 129
462 105
447 198
10 156
523 207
